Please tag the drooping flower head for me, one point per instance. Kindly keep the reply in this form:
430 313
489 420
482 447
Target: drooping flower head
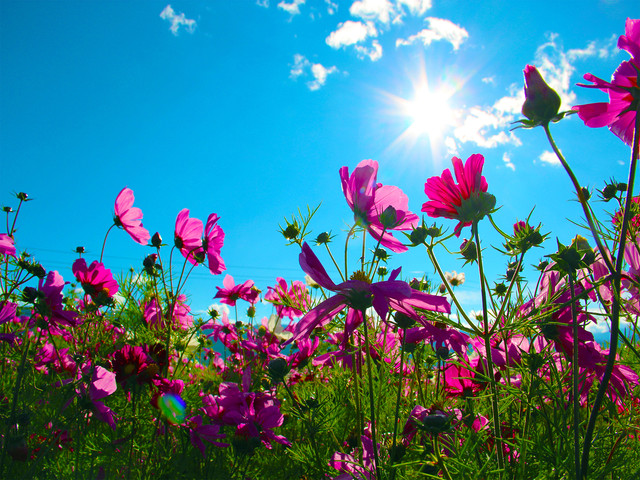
212 244
129 217
376 207
188 236
96 280
619 114
467 200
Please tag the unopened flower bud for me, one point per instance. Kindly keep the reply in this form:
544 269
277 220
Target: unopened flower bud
418 235
541 103
323 238
80 250
404 321
469 251
278 369
22 196
213 313
381 253
389 218
7 209
382 271
251 311
156 240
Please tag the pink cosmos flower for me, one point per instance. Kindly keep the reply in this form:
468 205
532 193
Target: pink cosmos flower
286 300
232 292
212 244
349 465
6 245
129 217
360 295
462 201
53 308
96 280
624 97
379 208
188 236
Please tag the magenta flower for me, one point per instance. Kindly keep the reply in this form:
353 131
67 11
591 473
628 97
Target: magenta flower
289 302
212 244
96 280
619 114
129 217
376 207
200 432
6 245
188 236
51 305
360 295
231 292
466 201
351 468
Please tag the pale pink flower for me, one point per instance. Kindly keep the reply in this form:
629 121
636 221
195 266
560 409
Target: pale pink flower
376 207
231 292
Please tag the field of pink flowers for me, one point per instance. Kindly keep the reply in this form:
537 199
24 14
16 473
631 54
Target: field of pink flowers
363 375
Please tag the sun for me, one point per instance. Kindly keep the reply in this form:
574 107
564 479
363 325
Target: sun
429 113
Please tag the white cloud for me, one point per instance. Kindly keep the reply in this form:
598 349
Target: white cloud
416 7
484 126
320 74
350 32
293 7
373 53
507 161
177 20
332 7
549 158
263 3
373 10
439 29
489 80
452 147
301 66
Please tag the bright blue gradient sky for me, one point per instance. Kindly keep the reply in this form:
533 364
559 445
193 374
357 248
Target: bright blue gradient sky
248 109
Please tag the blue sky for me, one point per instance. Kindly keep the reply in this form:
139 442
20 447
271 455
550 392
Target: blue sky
248 109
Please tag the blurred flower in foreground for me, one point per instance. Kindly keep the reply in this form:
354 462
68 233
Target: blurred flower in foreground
466 201
624 95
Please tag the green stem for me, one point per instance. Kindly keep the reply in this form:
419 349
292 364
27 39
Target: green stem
371 402
486 335
581 198
615 307
575 372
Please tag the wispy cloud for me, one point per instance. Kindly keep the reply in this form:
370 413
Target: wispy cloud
373 10
373 53
332 7
263 3
416 7
177 20
507 162
303 67
292 7
549 158
438 29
